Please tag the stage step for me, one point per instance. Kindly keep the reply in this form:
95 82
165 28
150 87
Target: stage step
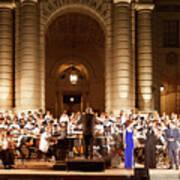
164 175
85 165
61 166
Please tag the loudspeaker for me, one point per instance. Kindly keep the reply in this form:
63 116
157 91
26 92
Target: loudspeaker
141 174
86 165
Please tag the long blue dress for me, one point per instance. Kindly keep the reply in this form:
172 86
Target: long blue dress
129 150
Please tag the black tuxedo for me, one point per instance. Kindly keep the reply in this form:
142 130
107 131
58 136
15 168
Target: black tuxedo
88 122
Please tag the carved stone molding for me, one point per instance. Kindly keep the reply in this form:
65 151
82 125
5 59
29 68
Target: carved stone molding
123 1
100 6
10 4
29 0
141 6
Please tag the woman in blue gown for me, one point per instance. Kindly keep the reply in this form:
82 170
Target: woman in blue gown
129 145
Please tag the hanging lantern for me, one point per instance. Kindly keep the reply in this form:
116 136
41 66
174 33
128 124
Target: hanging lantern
73 78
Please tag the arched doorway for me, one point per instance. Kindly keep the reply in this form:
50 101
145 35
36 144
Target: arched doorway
75 43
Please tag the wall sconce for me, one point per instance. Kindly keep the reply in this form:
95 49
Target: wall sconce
162 88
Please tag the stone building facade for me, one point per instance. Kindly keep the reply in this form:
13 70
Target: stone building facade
116 48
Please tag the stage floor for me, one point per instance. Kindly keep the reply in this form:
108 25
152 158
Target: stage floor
44 170
109 174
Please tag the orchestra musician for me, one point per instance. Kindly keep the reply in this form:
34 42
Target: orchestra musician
44 142
66 131
6 149
60 149
99 134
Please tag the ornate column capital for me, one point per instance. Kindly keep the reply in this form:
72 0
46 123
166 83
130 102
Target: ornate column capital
144 6
29 1
122 1
10 4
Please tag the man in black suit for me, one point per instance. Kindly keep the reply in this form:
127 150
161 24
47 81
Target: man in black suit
172 137
88 122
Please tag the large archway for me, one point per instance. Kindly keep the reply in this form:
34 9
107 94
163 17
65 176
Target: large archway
75 43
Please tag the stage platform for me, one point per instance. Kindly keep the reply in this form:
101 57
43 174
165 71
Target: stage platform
109 174
44 171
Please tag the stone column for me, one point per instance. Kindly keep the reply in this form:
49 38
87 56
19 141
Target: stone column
108 61
133 53
6 56
30 98
145 60
17 55
42 53
122 87
178 98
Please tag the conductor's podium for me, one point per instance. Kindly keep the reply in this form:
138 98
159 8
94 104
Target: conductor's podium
85 165
81 165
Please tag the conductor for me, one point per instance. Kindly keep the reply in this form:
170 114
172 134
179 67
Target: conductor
88 122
